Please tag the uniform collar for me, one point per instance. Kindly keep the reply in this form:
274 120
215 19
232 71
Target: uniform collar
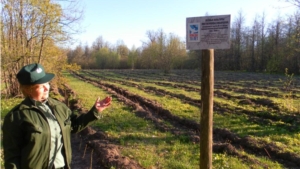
38 103
30 103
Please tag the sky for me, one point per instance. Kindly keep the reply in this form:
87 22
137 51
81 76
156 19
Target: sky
129 20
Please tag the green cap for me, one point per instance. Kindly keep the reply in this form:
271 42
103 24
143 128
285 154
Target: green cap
33 74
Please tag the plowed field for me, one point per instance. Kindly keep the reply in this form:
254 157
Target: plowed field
154 119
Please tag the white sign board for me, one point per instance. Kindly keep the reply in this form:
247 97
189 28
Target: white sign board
208 32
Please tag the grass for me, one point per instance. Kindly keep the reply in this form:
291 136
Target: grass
8 104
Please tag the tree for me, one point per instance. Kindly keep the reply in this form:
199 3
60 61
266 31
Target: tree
175 53
238 26
252 47
123 52
262 44
74 55
149 56
274 50
132 57
26 28
106 59
294 2
163 51
292 43
98 44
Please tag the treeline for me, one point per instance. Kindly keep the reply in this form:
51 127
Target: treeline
160 51
260 47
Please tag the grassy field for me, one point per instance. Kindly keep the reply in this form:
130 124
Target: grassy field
256 117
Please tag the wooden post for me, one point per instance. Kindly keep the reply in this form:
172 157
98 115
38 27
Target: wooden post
206 121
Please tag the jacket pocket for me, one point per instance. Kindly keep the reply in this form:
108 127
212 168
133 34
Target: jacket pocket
32 127
67 124
67 121
32 132
35 128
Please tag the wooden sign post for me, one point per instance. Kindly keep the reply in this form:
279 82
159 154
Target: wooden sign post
207 98
207 33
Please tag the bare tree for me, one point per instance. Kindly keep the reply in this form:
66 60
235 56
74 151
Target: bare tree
162 51
132 57
123 53
294 2
238 26
262 43
98 43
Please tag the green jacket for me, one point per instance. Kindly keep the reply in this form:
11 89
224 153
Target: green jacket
26 133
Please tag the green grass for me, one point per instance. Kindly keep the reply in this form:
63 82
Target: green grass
8 104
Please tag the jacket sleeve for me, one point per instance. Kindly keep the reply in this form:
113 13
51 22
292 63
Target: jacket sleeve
79 122
12 141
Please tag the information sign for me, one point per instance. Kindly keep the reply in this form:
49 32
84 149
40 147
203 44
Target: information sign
208 32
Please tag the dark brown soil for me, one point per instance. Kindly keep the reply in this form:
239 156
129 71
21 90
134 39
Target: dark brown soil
92 150
82 156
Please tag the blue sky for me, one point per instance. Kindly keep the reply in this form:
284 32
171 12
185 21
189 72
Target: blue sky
129 20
